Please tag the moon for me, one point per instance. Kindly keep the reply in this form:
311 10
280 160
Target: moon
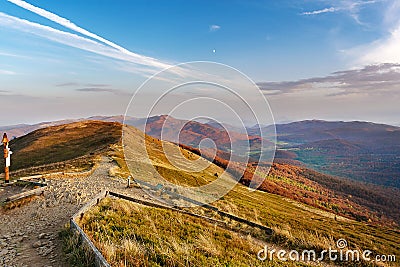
214 50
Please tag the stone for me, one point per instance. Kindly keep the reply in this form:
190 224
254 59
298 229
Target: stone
3 252
37 244
42 235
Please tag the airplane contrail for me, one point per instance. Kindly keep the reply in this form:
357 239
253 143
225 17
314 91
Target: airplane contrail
72 26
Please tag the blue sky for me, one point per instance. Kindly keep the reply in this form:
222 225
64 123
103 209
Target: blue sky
69 58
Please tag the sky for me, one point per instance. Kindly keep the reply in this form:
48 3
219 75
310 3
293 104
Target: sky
331 60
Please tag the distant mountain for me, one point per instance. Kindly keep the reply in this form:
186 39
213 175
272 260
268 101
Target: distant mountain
63 143
226 137
223 126
193 132
363 151
14 131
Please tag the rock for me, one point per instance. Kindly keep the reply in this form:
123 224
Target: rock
42 235
20 239
37 244
19 233
47 252
3 252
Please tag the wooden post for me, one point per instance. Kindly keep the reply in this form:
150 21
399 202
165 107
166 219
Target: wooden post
129 181
6 156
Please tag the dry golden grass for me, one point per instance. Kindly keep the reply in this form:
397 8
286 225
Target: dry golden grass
130 234
62 143
146 158
75 252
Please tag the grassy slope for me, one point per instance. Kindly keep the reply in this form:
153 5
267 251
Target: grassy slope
355 200
129 234
143 152
150 235
63 143
296 225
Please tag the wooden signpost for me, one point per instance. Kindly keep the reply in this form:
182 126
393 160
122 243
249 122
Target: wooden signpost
7 158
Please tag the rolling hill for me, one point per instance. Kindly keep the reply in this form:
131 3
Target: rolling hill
362 151
193 132
62 143
305 208
353 199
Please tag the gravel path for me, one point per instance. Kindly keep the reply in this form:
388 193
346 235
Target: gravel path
29 234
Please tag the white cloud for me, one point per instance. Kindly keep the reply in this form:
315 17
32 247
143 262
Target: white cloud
65 22
133 62
214 28
6 72
77 41
83 43
371 80
321 11
385 49
103 90
5 54
392 13
349 7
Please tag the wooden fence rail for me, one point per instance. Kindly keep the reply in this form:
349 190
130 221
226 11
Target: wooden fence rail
100 261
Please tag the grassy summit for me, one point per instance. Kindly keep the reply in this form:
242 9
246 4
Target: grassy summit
62 143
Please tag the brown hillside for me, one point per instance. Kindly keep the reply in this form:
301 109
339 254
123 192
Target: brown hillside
193 132
62 143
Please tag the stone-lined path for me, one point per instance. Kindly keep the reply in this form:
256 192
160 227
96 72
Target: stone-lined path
29 234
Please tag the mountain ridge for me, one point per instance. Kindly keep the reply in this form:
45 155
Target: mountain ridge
67 142
363 151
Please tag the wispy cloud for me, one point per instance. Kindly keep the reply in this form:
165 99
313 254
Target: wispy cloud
15 95
75 84
5 54
96 44
385 49
320 11
372 79
66 23
214 28
67 84
7 72
77 41
94 88
97 85
132 62
102 90
350 7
